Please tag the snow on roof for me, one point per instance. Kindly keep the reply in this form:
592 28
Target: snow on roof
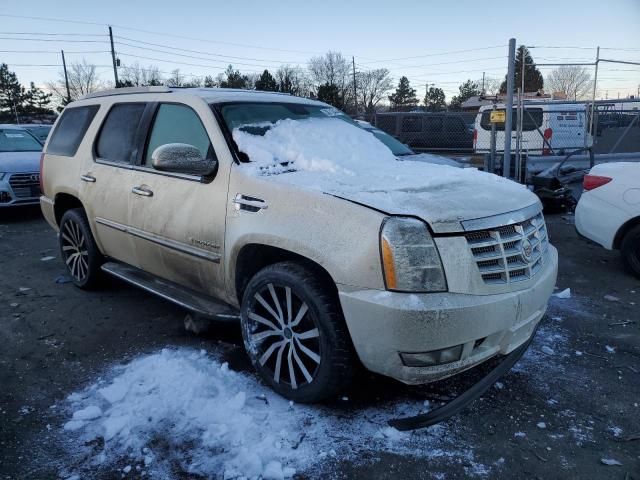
210 95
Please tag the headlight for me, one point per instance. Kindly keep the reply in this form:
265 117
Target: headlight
410 258
2 175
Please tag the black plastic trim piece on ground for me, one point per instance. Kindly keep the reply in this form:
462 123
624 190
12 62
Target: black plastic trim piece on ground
464 399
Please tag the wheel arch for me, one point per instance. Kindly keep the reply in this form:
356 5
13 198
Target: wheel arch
622 231
253 257
64 202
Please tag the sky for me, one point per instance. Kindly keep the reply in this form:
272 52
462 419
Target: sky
439 43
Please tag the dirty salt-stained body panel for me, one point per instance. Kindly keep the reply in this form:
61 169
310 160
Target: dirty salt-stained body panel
340 236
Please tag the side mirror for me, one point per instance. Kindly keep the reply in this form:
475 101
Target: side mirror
181 158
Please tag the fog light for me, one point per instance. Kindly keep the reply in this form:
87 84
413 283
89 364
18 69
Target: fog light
435 357
5 197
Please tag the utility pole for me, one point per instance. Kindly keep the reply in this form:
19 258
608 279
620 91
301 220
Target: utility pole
66 77
508 124
113 58
593 97
355 91
482 91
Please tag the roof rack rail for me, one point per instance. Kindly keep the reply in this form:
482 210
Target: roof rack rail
243 90
127 91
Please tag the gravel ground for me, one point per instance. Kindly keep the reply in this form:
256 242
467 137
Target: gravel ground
569 406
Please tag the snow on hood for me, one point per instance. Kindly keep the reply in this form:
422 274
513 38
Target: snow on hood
17 162
340 159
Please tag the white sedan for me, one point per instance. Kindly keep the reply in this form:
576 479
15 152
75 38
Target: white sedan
609 210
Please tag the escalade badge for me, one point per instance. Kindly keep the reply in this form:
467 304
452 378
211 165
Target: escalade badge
527 249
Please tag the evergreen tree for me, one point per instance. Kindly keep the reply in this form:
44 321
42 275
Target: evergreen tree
330 93
266 82
209 82
404 98
533 80
434 100
234 79
12 94
467 90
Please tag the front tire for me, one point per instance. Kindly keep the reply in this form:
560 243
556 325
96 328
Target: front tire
295 334
79 250
630 249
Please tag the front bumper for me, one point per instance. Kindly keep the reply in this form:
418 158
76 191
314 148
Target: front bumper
21 191
385 324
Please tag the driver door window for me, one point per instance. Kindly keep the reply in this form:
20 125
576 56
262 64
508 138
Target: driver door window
177 124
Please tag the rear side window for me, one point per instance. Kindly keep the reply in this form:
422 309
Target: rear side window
531 120
412 124
454 125
117 138
70 130
178 124
386 123
433 124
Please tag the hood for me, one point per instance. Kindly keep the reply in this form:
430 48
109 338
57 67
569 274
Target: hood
429 158
19 162
442 196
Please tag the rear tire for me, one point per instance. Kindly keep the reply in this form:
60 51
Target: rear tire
295 334
630 249
79 250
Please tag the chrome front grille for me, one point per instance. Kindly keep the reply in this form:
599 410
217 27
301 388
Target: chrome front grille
25 184
510 253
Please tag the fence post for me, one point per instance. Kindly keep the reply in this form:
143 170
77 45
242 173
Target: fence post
593 98
508 124
492 147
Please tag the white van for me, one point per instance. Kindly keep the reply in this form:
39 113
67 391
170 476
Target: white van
547 129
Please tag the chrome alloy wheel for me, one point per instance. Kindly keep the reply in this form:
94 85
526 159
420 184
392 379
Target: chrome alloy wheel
74 250
282 335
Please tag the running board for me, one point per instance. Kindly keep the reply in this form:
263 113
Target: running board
184 297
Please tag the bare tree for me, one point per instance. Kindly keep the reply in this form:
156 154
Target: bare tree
83 80
333 69
135 76
372 87
491 85
293 80
573 81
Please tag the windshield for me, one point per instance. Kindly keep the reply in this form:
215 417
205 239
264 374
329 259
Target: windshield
16 140
258 118
41 132
399 149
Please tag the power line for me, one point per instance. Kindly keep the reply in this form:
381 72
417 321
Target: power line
176 62
194 51
164 34
56 34
184 55
54 51
64 40
450 52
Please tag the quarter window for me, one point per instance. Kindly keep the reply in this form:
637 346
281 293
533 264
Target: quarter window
70 130
412 124
117 141
433 124
178 124
453 125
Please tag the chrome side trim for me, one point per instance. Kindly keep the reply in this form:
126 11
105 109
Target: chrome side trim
502 219
159 240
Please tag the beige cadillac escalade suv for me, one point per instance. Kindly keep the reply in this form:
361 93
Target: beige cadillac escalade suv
150 185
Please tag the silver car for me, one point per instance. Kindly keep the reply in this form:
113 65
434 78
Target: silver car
19 167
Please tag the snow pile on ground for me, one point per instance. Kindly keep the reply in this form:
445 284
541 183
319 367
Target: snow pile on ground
181 411
336 157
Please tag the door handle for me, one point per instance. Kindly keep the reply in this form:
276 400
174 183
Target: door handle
142 191
88 178
251 204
